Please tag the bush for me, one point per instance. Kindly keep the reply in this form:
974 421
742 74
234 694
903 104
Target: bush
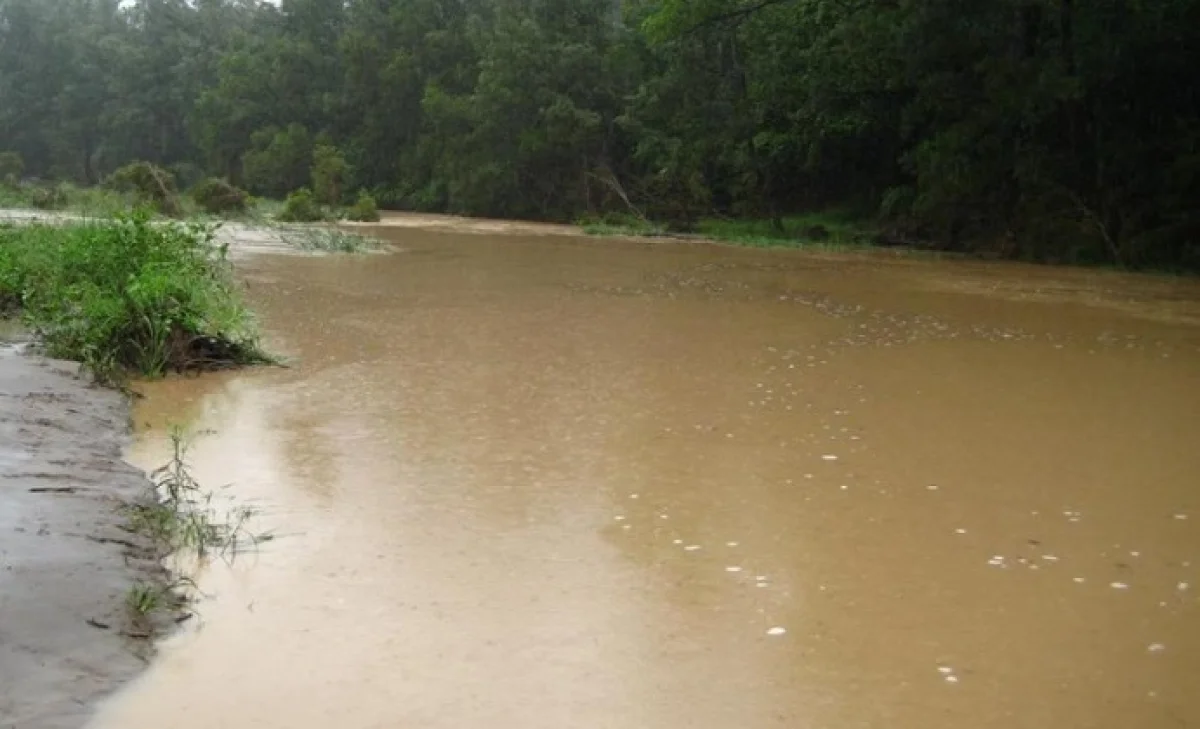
48 198
127 295
301 207
150 184
218 197
329 173
364 209
11 168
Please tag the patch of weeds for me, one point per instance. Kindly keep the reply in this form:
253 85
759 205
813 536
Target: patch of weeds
127 295
613 224
826 231
831 231
183 518
182 521
327 239
144 598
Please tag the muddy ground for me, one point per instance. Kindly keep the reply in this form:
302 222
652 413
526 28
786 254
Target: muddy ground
66 560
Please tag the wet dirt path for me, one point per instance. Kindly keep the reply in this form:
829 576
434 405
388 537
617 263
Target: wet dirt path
530 481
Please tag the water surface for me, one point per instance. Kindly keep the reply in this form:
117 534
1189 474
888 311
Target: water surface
531 481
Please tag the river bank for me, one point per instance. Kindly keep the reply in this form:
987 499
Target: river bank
68 562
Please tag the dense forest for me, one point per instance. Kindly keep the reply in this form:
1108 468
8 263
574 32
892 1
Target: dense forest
1040 129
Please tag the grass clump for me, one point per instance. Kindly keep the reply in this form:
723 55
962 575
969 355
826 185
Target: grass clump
301 207
128 296
620 224
827 230
183 522
329 240
217 197
364 209
183 518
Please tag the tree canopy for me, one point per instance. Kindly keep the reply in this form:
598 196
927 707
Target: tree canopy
1042 129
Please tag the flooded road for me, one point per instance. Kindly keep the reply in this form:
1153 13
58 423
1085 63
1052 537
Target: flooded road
534 481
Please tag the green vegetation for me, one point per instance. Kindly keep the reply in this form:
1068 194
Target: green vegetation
218 197
327 239
148 185
301 207
127 296
1046 130
364 209
329 173
182 519
11 168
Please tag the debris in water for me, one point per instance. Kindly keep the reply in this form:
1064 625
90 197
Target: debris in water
663 516
1118 586
1049 558
829 457
731 544
951 679
777 631
733 568
960 531
626 527
946 670
1156 647
618 517
1181 517
1079 580
1182 586
677 541
633 496
692 548
997 561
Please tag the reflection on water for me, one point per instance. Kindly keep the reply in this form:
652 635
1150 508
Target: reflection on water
551 482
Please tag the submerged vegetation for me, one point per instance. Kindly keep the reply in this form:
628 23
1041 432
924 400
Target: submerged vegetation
183 520
128 295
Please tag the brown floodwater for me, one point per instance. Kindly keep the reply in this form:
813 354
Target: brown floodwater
522 480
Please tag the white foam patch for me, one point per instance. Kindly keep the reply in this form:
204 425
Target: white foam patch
692 548
777 630
1118 586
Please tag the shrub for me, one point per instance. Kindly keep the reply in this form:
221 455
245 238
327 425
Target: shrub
128 295
152 185
364 209
217 197
301 207
329 173
48 198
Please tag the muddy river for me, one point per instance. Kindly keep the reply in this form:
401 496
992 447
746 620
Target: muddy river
524 481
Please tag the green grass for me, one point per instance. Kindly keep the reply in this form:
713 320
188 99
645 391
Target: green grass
833 230
127 296
86 201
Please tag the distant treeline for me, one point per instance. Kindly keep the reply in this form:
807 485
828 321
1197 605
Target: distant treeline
1039 129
